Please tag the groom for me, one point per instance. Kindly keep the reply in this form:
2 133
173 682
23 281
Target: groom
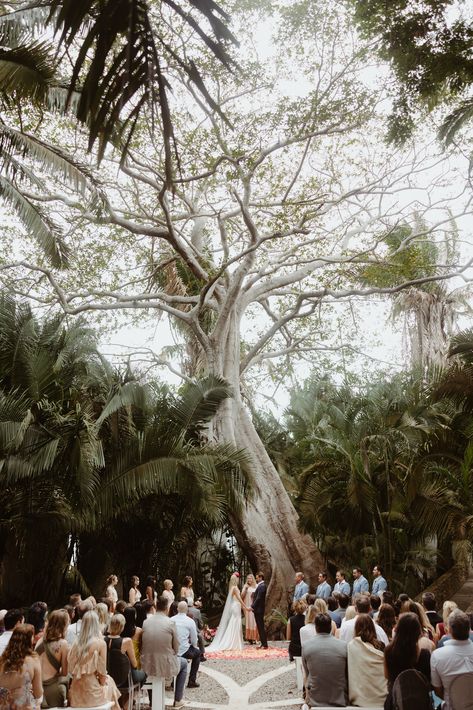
259 601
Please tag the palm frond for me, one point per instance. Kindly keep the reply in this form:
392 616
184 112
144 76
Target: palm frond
199 402
26 71
38 223
456 120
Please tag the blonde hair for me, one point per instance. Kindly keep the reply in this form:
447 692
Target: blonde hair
102 613
117 624
252 577
350 613
320 606
233 582
299 606
89 631
447 609
167 584
310 616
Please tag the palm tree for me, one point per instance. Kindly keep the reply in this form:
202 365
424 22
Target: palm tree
80 448
123 51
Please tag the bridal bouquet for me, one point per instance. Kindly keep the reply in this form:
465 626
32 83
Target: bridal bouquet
208 633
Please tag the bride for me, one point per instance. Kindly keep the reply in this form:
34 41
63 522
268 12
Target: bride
229 634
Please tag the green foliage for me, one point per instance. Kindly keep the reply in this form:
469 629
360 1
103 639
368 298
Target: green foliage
428 45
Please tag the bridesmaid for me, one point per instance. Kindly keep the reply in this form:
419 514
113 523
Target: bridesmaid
134 595
187 592
251 632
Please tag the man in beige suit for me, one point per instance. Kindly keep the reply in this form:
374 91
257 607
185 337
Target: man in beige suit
159 646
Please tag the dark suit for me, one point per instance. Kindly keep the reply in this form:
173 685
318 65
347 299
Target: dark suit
258 605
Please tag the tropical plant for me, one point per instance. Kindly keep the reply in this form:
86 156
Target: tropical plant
81 447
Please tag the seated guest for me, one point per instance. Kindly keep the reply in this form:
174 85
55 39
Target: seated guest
446 637
324 659
149 607
20 671
12 619
343 603
188 644
387 598
71 611
141 614
367 685
74 629
37 617
427 633
332 605
131 630
399 602
159 647
404 652
387 619
447 608
53 650
120 606
455 658
293 628
347 629
121 657
87 666
104 616
430 606
375 602
308 630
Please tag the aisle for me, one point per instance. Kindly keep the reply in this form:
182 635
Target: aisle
245 680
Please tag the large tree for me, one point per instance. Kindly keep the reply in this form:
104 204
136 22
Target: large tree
251 254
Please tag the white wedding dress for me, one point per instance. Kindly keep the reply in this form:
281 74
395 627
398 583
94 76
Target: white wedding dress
229 636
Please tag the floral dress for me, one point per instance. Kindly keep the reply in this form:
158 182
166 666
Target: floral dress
16 691
251 632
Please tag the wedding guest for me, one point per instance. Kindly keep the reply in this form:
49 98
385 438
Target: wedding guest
121 657
388 598
74 629
425 641
134 595
131 630
430 606
52 650
167 592
120 606
293 628
404 652
87 665
37 614
333 609
12 619
141 614
387 619
367 685
343 603
20 670
104 616
455 658
188 644
247 593
379 583
347 629
159 648
308 630
447 608
324 659
319 607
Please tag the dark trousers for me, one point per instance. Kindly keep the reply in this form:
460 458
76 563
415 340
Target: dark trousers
259 618
193 655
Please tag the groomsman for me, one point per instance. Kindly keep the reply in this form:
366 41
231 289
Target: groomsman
341 585
258 605
324 590
360 583
301 587
379 583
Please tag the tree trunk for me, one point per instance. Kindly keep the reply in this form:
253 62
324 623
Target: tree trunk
267 527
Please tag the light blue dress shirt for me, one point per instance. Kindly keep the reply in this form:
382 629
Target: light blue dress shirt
342 588
323 591
299 590
379 585
360 585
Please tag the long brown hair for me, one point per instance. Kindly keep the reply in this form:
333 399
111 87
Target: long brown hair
58 621
387 619
19 646
365 630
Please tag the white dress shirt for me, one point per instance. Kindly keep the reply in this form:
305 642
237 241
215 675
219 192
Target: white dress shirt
454 658
186 632
347 631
